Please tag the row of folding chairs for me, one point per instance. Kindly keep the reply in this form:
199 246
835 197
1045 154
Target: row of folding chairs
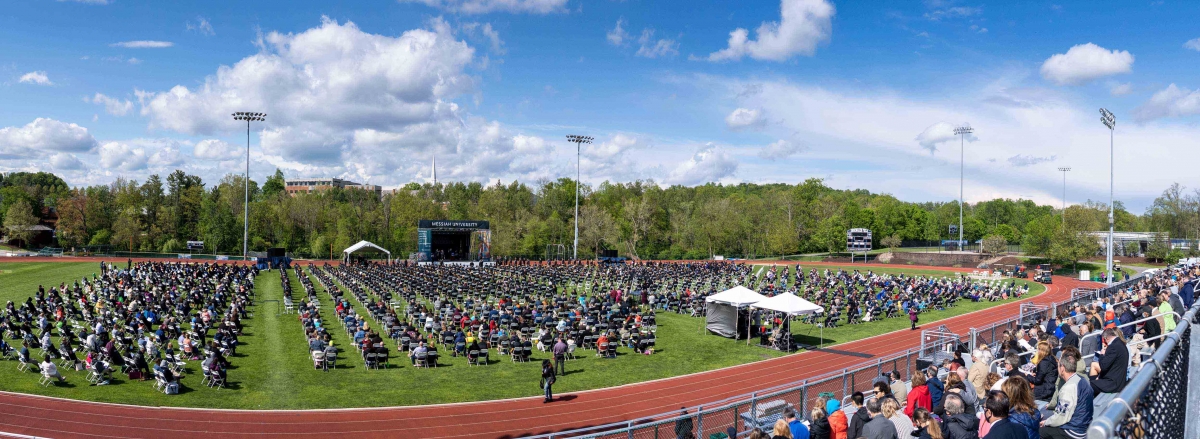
426 359
474 358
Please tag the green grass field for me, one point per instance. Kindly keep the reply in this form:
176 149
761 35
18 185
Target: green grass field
272 369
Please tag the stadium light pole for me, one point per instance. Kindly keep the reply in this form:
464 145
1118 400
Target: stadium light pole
578 141
1065 170
1109 121
962 146
248 117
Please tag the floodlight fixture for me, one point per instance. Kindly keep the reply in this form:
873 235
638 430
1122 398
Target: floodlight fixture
1065 170
961 131
1109 121
578 140
248 117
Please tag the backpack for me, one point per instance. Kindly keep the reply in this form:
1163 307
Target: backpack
172 388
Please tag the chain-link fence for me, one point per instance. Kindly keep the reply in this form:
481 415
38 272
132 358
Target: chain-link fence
742 413
1154 403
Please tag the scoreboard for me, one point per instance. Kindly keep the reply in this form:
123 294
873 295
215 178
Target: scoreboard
858 240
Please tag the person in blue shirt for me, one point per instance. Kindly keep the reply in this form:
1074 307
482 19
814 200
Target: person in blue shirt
935 386
799 430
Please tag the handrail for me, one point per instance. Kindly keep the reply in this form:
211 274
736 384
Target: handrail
1143 319
1104 426
698 412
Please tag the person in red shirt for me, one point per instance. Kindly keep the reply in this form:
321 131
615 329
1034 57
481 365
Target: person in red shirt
919 395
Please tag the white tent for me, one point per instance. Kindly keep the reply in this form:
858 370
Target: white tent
792 305
721 311
738 296
364 246
789 304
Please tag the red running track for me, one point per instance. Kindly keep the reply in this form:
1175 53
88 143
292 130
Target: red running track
29 415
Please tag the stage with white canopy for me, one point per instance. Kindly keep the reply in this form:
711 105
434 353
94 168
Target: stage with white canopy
721 309
791 305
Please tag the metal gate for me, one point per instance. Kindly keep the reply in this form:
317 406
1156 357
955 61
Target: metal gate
556 252
937 344
1031 313
1080 292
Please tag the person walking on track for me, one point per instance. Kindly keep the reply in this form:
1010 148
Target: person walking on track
548 379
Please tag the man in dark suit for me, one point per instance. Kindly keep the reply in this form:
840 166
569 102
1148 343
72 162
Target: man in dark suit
996 412
1109 371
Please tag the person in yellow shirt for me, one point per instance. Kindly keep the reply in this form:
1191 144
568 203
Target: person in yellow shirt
1167 312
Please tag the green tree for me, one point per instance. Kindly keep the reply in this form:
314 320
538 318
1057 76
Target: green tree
995 244
1158 249
127 230
1070 246
1039 235
274 185
892 242
19 221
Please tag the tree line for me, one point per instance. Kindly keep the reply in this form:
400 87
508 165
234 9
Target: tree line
639 219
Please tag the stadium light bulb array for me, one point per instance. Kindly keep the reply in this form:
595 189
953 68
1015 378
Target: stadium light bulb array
1108 119
579 139
1064 169
247 116
963 130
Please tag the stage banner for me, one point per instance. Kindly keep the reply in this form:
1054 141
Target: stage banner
453 225
425 241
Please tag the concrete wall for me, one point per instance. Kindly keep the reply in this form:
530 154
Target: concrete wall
935 259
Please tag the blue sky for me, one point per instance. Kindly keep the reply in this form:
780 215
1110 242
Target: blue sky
863 94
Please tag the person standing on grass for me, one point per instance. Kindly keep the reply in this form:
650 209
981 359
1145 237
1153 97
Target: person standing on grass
548 380
912 316
560 356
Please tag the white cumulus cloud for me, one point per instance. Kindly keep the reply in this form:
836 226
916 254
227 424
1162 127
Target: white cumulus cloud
937 134
618 36
43 135
486 6
743 118
1084 63
143 44
202 26
651 48
803 25
38 78
1193 44
1029 160
122 157
709 164
214 149
1172 101
113 106
65 161
781 149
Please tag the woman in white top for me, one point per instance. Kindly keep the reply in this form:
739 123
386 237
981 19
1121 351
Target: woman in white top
50 370
891 410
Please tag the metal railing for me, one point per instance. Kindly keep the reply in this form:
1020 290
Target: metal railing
742 411
1154 403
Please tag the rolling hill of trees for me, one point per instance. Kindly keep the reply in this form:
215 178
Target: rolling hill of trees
639 219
